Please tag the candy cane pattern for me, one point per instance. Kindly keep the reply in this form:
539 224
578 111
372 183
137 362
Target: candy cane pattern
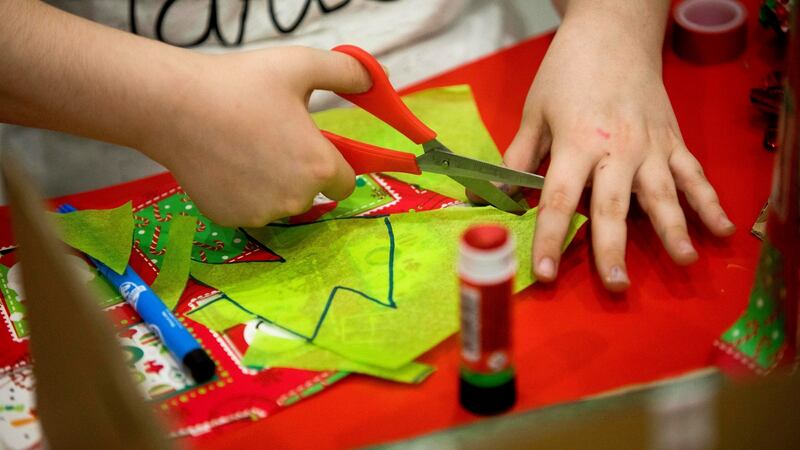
772 318
201 226
752 331
764 341
219 245
154 243
141 222
158 216
22 377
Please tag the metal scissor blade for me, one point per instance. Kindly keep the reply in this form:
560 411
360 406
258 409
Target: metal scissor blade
442 161
491 194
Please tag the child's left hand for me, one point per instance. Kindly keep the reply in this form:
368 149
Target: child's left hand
599 106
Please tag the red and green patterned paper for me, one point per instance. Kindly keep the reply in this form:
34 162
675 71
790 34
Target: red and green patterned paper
757 340
237 394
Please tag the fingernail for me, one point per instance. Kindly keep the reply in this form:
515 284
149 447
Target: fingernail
546 268
618 276
685 247
725 222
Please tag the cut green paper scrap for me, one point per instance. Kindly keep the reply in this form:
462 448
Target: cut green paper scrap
174 270
103 234
273 351
450 111
366 196
220 315
379 291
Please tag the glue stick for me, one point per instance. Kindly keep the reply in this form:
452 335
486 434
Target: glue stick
486 269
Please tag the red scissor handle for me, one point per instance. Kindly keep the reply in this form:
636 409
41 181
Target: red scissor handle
366 158
382 101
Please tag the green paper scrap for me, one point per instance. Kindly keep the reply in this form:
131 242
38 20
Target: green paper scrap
219 315
103 234
366 196
272 351
174 271
450 111
378 291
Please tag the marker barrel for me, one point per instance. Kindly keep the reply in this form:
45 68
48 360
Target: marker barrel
175 337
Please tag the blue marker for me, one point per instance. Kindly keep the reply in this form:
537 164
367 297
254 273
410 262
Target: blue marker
175 337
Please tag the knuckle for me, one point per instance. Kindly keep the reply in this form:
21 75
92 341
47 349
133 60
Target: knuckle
635 140
712 202
255 221
695 181
706 197
354 72
614 207
258 218
246 219
610 255
293 206
596 151
558 200
662 192
349 188
548 243
673 231
322 170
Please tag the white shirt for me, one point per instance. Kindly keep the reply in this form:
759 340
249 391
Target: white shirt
414 39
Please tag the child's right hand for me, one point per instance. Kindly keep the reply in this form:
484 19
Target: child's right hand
238 137
233 129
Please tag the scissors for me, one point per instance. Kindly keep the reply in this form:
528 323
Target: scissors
383 102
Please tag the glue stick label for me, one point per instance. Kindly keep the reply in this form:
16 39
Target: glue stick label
470 324
486 327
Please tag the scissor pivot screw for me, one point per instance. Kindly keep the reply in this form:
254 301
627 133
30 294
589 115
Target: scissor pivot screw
446 163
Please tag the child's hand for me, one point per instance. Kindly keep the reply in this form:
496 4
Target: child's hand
599 106
233 129
240 139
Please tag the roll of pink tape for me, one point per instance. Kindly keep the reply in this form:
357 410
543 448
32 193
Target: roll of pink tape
709 31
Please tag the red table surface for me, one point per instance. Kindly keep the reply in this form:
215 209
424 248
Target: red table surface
572 338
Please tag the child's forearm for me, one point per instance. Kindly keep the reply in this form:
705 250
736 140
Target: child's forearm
64 73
